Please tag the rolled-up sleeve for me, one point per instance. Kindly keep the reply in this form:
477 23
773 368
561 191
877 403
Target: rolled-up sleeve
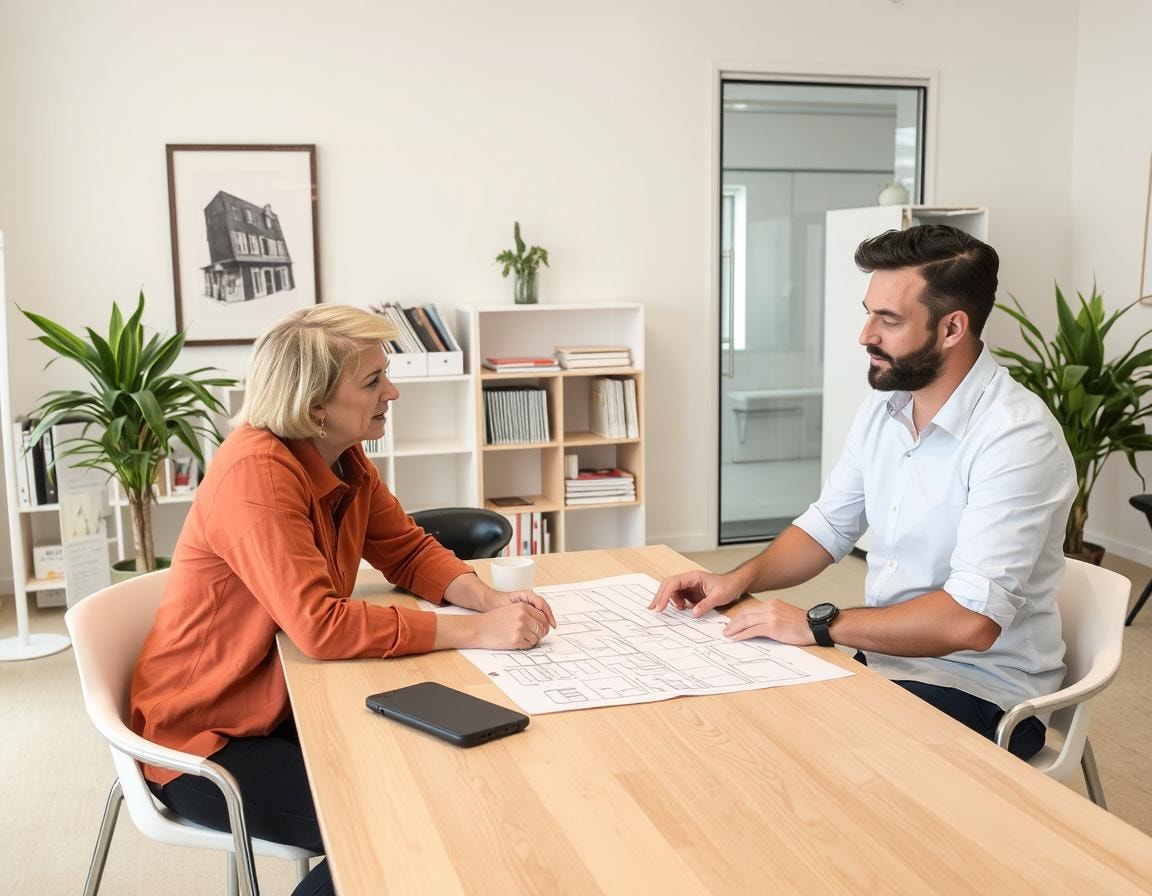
1018 483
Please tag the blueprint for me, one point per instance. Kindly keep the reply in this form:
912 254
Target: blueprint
609 649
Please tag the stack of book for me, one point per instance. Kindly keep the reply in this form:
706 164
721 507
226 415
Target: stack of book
574 357
515 414
612 407
419 329
610 486
521 365
530 535
36 463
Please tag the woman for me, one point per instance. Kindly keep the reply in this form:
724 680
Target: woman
289 506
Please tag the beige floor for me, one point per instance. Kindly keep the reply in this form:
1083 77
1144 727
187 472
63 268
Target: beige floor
54 771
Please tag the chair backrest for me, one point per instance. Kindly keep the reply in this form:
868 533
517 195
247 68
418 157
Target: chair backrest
108 629
471 533
1092 603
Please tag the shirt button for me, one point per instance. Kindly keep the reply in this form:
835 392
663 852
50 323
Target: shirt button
893 508
891 563
907 453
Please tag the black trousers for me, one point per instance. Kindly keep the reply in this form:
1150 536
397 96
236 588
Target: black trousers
275 793
982 716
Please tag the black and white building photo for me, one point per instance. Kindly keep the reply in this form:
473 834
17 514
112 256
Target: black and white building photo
249 258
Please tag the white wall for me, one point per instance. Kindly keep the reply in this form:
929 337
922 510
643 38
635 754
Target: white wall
439 123
1112 146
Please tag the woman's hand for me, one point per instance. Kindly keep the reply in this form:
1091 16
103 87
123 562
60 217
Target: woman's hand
470 592
517 625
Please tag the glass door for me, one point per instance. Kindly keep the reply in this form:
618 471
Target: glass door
791 152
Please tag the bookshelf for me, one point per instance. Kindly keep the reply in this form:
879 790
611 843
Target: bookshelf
535 471
24 645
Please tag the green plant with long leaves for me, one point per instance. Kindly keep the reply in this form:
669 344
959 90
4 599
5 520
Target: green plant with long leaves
134 410
524 259
1101 404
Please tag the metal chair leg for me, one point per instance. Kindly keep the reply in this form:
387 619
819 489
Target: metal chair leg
302 869
104 839
233 878
1143 599
1092 777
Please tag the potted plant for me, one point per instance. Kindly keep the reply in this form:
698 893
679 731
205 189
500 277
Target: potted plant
136 407
525 261
1100 404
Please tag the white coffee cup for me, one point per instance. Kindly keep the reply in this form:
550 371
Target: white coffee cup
513 573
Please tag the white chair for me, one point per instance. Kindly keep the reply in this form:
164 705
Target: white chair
1092 603
108 629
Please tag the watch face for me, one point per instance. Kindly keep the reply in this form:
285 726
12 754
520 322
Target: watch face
822 614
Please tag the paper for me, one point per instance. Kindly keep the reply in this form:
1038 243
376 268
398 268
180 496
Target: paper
609 649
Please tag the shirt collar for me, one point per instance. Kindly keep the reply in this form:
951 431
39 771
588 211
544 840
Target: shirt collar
324 482
957 411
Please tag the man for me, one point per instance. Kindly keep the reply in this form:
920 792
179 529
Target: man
965 479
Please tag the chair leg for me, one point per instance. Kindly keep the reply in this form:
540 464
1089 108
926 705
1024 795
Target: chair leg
233 878
104 839
302 869
1092 777
1143 599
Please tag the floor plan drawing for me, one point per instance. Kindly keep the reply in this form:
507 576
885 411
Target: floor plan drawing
609 648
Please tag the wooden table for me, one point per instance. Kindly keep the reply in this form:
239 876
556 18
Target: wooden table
846 786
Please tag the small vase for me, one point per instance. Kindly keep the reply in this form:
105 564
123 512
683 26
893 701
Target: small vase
893 194
525 289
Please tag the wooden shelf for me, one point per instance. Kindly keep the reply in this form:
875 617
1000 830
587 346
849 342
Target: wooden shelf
540 504
576 439
527 331
601 505
600 371
521 446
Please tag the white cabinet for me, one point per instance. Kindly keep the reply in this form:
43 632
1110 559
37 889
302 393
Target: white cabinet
845 361
535 471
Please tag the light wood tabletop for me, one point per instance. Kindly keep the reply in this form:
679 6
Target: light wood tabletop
845 786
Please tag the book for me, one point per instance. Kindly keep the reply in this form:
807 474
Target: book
426 340
441 328
601 499
631 413
497 363
583 349
429 329
581 364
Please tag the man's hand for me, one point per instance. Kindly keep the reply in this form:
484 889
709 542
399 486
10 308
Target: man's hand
774 619
706 590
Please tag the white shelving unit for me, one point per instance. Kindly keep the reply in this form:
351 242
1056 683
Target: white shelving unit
24 645
845 362
536 471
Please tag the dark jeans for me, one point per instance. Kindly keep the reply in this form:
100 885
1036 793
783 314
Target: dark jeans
275 793
980 715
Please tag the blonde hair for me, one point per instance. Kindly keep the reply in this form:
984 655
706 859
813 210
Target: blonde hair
298 362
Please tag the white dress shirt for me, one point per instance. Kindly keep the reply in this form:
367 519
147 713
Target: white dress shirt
974 506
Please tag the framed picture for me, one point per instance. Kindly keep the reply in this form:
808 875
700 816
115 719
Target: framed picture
244 238
1146 266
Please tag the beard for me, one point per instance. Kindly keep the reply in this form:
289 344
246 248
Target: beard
909 373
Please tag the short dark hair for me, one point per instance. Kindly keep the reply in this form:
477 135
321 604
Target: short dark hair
959 270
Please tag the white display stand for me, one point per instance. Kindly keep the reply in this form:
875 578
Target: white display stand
845 361
25 645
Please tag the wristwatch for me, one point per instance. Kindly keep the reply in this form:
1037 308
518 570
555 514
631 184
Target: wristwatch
819 618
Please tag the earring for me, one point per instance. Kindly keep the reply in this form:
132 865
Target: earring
322 434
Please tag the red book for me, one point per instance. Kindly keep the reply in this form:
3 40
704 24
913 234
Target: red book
604 474
520 362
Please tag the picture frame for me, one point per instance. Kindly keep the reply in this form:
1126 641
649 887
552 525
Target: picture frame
1146 264
244 229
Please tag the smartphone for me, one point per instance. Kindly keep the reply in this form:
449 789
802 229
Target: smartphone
444 712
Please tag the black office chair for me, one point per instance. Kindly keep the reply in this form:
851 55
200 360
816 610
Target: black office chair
1143 503
471 533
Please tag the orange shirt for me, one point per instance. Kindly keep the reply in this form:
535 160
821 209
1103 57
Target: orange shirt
272 543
